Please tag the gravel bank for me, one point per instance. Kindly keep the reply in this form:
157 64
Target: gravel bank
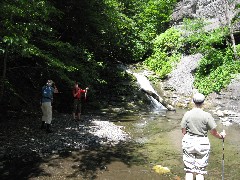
181 79
22 141
178 87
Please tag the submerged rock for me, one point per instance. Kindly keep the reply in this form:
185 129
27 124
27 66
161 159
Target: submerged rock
160 169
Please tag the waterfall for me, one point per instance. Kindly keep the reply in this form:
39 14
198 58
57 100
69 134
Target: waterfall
145 84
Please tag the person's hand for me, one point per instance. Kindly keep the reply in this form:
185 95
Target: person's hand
87 88
223 134
55 90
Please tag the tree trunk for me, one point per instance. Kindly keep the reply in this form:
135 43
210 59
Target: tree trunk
234 45
3 78
3 106
231 30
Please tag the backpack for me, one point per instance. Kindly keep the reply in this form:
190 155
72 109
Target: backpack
47 92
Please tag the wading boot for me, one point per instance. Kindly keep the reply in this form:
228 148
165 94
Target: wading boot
43 125
48 129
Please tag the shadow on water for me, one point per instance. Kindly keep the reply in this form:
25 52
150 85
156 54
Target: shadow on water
98 160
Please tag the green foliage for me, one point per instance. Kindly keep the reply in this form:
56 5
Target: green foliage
152 19
198 39
21 20
115 29
170 41
238 49
216 71
35 50
165 52
217 67
154 15
212 60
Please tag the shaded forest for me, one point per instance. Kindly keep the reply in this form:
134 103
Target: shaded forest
72 40
86 41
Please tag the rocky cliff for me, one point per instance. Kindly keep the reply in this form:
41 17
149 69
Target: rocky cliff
213 11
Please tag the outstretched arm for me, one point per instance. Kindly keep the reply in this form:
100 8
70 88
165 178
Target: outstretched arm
216 134
55 89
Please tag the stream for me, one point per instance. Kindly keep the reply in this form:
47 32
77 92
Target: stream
155 140
158 138
158 142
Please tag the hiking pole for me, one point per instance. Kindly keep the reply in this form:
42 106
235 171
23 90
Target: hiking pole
223 157
86 94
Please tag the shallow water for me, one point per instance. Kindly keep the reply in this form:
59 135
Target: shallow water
159 137
157 141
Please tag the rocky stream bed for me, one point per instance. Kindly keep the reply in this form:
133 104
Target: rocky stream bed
24 145
25 149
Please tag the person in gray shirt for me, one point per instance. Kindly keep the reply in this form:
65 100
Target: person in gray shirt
195 125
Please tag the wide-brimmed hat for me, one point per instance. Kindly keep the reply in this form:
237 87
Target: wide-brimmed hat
198 98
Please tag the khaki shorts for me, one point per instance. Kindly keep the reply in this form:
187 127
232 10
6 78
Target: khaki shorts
47 112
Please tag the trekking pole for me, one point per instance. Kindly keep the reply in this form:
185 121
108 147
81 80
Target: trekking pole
223 157
86 94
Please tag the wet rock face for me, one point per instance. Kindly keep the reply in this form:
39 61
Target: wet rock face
213 10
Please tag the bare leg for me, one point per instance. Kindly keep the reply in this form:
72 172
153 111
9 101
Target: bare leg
79 115
189 176
74 116
199 177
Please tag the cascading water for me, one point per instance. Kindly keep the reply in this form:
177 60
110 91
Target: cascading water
145 84
158 103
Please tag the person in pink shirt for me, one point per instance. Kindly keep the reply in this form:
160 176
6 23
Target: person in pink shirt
77 104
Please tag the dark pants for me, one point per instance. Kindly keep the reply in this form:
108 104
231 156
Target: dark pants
77 106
